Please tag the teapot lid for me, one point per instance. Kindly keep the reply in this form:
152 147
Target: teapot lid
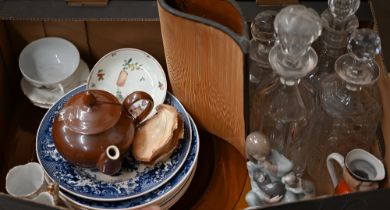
91 112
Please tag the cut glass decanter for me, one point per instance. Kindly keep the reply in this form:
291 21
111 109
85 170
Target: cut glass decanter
263 39
350 113
338 22
261 74
287 104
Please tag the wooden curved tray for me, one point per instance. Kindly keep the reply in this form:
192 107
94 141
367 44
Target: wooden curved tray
220 177
206 63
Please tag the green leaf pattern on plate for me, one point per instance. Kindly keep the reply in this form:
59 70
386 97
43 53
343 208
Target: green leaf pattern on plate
128 65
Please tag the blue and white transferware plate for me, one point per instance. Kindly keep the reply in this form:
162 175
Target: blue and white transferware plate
178 180
134 179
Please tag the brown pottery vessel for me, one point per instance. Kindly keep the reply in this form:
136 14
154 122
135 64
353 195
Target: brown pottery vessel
94 130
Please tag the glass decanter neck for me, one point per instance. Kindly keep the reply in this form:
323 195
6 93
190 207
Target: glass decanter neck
352 87
265 42
264 45
291 67
336 32
289 82
355 72
259 51
341 24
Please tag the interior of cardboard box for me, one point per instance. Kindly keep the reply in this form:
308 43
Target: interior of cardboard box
19 118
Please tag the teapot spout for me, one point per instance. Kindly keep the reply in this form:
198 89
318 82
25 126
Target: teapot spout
110 161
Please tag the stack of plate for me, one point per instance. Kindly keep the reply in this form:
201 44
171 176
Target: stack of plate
136 185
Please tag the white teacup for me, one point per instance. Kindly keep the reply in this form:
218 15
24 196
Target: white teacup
361 170
49 62
28 181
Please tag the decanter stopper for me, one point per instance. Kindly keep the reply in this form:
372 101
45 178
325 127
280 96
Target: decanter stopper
262 27
341 16
263 33
365 44
297 27
359 67
342 9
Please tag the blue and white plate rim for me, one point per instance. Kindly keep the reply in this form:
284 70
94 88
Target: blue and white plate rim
181 183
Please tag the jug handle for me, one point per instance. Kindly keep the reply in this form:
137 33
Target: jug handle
134 97
340 160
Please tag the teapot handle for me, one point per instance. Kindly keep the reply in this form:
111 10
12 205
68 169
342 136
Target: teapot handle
137 96
340 160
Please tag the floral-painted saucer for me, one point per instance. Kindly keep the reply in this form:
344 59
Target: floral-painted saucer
176 186
45 98
126 70
134 179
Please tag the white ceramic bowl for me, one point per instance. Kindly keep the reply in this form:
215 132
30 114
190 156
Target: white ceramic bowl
48 61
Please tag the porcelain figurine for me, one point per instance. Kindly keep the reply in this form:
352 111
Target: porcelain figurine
300 188
266 167
94 130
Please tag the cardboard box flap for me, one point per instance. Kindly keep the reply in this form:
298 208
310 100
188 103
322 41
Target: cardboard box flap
59 10
128 10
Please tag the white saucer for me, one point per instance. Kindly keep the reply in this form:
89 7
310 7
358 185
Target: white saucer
45 98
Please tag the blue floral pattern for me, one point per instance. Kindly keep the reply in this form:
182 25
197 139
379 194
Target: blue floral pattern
133 180
150 197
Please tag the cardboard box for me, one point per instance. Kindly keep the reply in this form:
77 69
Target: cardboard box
220 182
87 2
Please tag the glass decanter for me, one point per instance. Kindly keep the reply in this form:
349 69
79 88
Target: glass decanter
263 39
350 113
338 22
287 104
261 74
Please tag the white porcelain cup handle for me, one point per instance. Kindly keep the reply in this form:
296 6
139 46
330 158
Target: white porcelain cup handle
340 160
50 196
45 198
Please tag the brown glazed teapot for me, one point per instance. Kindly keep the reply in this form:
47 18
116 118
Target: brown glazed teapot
94 130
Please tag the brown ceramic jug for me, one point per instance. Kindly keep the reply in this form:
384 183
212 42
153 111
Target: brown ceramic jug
94 130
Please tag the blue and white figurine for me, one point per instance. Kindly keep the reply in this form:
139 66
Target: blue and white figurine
300 188
271 175
266 167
